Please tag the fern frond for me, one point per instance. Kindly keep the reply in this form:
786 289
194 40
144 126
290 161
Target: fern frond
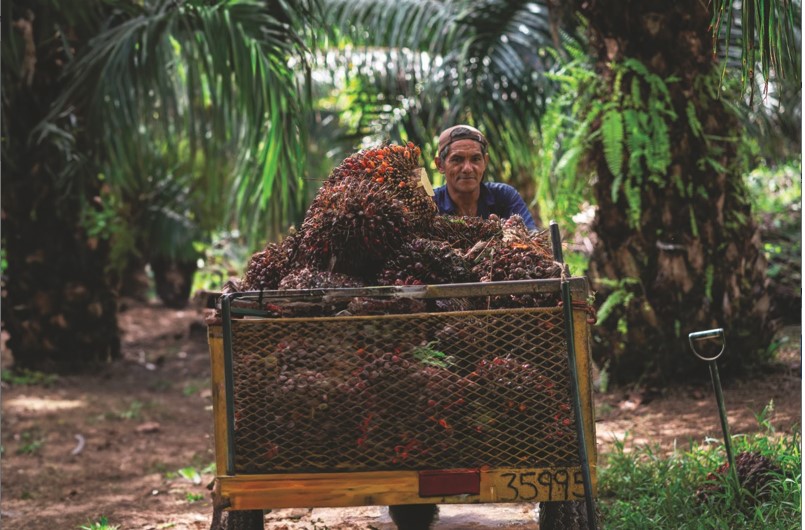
637 98
612 138
693 120
615 299
632 194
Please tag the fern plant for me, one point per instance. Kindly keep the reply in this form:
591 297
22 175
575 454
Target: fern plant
623 293
566 135
635 132
633 128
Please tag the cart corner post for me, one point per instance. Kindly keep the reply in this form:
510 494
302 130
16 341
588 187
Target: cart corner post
567 303
215 338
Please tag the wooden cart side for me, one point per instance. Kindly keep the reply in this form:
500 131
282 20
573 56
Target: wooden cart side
253 492
582 341
215 337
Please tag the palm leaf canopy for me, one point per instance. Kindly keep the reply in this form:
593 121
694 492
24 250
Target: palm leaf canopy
425 65
205 94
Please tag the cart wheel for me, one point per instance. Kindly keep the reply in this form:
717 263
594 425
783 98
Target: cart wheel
565 515
237 519
414 516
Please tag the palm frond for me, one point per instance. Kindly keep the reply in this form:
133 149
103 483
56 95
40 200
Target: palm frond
220 78
465 61
760 35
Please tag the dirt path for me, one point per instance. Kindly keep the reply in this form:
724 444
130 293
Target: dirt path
113 443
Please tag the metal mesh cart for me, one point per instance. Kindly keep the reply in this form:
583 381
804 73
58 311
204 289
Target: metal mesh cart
431 405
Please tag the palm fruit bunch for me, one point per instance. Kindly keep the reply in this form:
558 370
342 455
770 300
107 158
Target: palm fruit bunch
309 278
394 169
425 261
352 227
463 233
516 255
444 404
754 471
466 338
408 401
250 402
516 392
306 404
371 203
267 267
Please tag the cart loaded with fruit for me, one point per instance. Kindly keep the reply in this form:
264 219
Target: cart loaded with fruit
385 355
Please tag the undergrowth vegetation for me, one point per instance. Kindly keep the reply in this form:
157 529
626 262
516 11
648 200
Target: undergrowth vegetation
644 488
776 194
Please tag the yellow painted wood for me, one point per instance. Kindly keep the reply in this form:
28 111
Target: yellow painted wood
503 485
321 490
215 338
582 340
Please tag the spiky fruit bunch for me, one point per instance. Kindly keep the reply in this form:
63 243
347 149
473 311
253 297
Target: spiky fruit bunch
424 261
465 338
352 227
309 278
464 232
267 267
517 255
754 470
519 390
394 169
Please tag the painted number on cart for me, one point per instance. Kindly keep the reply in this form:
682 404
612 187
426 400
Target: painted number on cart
548 484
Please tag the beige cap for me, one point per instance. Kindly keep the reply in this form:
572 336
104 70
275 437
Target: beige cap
461 132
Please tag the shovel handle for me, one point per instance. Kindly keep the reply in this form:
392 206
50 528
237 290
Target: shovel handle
703 335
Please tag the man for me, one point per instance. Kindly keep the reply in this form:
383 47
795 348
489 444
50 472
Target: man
462 158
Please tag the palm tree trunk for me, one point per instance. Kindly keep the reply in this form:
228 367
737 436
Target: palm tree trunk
58 307
696 252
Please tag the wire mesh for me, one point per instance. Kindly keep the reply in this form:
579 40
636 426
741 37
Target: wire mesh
393 392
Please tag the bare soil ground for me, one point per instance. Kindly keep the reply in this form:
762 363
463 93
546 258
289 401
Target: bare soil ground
112 443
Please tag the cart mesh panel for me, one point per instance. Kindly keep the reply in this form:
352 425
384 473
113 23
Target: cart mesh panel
421 391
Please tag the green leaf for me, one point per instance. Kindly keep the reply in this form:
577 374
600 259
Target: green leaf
612 138
191 474
615 299
429 356
693 120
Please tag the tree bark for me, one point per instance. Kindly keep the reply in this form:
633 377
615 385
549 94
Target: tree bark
696 252
58 307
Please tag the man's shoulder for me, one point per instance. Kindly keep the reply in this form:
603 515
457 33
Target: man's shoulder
442 199
501 189
498 186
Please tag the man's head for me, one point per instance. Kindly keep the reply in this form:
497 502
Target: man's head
462 158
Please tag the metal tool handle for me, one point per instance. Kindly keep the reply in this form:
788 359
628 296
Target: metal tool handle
703 335
722 409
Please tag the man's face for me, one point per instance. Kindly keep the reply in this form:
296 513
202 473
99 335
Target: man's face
463 167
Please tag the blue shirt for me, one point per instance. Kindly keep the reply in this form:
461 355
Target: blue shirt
496 198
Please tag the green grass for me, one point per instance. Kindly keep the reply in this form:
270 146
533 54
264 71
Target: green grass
191 497
101 524
132 412
647 489
23 377
31 442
